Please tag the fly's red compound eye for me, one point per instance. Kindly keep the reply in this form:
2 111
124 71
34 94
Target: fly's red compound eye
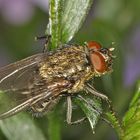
98 62
93 45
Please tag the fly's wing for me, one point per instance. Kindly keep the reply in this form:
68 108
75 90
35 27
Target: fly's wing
18 82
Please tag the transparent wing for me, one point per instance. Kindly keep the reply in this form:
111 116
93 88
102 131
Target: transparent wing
19 85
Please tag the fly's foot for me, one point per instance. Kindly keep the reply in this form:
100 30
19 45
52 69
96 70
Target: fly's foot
44 37
79 121
90 89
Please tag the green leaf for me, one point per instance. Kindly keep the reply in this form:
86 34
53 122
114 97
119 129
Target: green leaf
54 26
54 125
74 14
21 127
131 120
66 17
92 109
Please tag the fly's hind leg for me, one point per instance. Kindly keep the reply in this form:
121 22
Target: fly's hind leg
47 40
69 113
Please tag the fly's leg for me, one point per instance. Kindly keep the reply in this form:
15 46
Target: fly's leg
47 38
90 89
40 37
69 110
102 115
69 113
94 107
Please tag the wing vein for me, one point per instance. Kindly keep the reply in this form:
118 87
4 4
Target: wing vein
15 72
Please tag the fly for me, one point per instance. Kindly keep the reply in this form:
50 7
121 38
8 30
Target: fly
38 82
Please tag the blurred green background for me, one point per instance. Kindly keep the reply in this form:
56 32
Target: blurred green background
108 21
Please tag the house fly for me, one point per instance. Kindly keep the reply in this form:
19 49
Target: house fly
38 82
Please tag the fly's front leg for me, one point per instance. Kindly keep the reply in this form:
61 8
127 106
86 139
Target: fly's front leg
47 38
102 114
69 113
90 104
90 89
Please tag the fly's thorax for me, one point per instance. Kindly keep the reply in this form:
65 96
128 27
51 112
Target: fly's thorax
68 62
82 77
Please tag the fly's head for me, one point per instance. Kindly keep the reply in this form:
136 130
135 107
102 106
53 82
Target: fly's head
101 59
